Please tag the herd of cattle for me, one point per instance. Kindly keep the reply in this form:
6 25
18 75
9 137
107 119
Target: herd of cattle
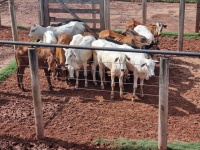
62 63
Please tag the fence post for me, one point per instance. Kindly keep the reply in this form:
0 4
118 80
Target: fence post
197 28
107 14
94 6
13 21
163 103
144 11
41 12
181 24
33 62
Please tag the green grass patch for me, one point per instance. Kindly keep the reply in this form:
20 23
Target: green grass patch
186 35
22 27
8 70
174 34
143 144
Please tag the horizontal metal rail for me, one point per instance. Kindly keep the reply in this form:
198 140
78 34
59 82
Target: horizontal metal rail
165 52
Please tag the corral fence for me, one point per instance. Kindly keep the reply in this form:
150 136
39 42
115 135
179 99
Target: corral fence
163 85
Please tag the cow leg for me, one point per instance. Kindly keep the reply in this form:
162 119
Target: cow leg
121 87
20 75
101 74
134 86
85 74
112 85
77 77
47 74
94 65
141 87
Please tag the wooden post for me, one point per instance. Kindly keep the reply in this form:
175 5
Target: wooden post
163 104
33 62
102 16
197 28
144 11
41 12
107 14
13 21
94 15
0 15
181 24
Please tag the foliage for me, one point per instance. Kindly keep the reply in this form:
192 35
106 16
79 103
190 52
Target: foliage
8 70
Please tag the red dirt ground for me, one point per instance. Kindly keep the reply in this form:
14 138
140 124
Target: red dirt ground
75 118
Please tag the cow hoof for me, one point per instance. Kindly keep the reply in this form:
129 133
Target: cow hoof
133 99
95 83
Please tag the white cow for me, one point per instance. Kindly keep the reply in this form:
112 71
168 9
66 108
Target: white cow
115 61
77 58
72 28
144 31
142 67
49 37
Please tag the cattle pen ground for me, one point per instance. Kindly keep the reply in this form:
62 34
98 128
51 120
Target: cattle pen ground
75 118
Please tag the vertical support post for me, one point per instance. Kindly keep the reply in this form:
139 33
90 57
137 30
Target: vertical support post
197 28
94 15
163 103
13 21
107 14
144 11
181 24
102 16
46 13
41 12
0 15
33 62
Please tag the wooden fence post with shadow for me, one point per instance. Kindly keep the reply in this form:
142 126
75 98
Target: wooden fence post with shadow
163 103
33 63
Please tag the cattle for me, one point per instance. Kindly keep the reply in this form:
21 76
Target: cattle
63 39
46 61
114 61
129 37
77 58
143 68
49 37
155 29
144 31
72 28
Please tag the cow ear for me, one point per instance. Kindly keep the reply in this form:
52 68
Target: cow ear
157 24
128 58
164 26
65 49
143 64
116 59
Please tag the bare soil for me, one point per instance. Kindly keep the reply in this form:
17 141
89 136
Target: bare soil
74 118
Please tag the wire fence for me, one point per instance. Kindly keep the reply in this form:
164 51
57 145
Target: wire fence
91 111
